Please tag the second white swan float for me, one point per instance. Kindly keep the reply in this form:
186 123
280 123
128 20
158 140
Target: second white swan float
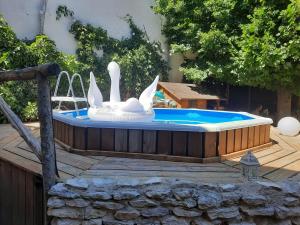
139 110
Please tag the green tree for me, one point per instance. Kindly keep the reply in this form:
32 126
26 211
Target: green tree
243 42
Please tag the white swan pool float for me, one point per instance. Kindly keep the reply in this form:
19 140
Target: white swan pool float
138 110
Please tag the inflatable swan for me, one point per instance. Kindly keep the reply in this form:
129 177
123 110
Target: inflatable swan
133 109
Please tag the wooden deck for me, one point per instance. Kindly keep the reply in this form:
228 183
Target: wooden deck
280 161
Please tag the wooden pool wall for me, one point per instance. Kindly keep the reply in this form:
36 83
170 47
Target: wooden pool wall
158 144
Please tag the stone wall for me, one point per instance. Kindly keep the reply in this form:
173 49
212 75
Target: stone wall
172 202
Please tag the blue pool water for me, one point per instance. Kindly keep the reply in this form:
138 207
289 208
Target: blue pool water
185 116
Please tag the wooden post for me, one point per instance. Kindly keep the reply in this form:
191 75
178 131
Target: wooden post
46 150
47 138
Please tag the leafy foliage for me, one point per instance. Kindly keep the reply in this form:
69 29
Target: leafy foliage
14 53
140 60
238 41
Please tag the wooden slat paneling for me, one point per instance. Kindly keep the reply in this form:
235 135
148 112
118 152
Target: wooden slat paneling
230 141
135 141
21 199
237 140
80 140
164 142
179 143
107 139
149 141
267 135
71 135
121 140
222 142
256 135
29 199
250 137
195 144
93 139
262 134
210 145
6 193
245 138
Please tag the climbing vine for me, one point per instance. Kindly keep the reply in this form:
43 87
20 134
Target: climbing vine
139 58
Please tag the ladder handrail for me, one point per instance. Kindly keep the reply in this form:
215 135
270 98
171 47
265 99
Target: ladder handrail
70 89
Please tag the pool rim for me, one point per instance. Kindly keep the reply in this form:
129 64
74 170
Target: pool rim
205 127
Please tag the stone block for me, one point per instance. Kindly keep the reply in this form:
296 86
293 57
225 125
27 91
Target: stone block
77 202
125 195
155 212
142 202
66 212
54 202
91 213
127 214
180 212
108 205
223 213
97 195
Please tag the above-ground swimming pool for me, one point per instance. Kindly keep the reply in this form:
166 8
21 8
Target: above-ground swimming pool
175 134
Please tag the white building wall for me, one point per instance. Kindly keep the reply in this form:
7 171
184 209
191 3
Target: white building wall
23 16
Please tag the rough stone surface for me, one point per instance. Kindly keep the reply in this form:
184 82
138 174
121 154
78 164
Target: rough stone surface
158 194
92 213
260 211
127 214
125 195
172 220
65 222
223 213
171 202
55 202
155 212
78 203
189 203
183 193
254 199
229 198
60 190
78 183
97 195
108 205
291 201
66 212
186 213
209 200
142 202
92 222
201 221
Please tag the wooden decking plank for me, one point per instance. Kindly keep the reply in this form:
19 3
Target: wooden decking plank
259 154
31 156
279 163
174 168
81 162
285 172
109 173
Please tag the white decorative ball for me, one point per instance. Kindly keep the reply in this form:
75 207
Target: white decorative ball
288 126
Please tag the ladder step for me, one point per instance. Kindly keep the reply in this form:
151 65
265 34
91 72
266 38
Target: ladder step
67 99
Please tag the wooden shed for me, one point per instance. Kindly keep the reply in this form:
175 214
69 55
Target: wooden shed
186 96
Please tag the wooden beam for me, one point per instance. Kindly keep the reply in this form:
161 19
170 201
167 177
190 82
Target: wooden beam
24 132
47 137
50 69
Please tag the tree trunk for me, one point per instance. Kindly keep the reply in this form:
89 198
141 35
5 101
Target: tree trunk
284 103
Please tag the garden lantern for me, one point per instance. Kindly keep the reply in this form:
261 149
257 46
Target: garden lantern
250 166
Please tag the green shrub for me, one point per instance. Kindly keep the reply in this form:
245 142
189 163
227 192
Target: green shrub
140 62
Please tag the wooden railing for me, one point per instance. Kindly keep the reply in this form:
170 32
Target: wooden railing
44 149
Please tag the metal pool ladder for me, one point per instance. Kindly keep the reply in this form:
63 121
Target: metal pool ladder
69 98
